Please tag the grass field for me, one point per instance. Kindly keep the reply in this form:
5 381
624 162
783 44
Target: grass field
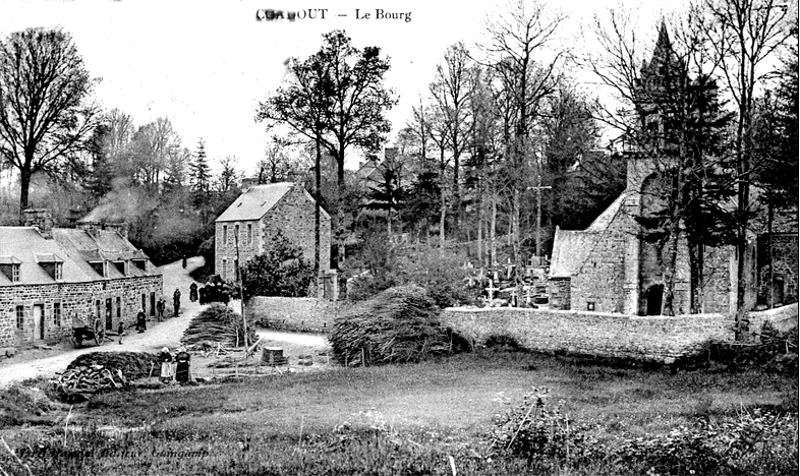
399 419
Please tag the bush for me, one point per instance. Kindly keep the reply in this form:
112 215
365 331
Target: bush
400 324
541 434
218 323
439 271
279 271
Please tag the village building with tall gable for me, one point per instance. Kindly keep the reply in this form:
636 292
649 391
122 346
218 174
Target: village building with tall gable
50 276
245 228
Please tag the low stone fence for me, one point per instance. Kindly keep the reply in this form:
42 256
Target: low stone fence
647 338
293 314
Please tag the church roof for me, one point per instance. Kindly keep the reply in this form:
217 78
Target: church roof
570 250
603 220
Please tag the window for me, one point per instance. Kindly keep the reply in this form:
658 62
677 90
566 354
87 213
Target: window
224 234
590 306
9 266
152 304
236 233
224 269
141 264
236 270
249 233
57 314
59 271
144 302
14 273
120 265
99 267
20 317
119 307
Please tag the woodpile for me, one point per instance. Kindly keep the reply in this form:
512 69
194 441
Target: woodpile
134 365
88 380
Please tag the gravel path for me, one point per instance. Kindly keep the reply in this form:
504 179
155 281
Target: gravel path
157 336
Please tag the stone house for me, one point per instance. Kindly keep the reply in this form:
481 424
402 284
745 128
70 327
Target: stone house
245 228
48 276
611 266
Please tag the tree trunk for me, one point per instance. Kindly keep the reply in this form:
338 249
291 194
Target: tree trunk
443 201
317 213
24 190
517 239
340 233
493 234
479 240
670 270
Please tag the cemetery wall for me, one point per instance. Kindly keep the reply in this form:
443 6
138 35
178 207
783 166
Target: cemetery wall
644 338
293 314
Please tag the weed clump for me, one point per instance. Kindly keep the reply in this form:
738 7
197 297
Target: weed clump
398 325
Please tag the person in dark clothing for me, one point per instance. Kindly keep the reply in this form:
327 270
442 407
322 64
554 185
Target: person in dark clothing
182 365
184 262
160 307
201 293
176 300
193 292
141 321
120 330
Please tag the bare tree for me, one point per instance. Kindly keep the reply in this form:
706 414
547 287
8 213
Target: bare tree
451 91
519 41
745 35
278 163
44 117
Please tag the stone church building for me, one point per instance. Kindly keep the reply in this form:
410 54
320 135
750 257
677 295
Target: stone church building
251 221
611 267
49 275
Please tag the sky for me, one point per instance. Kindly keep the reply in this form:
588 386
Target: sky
207 64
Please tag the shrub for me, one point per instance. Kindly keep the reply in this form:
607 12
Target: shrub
398 325
439 271
280 271
542 434
218 323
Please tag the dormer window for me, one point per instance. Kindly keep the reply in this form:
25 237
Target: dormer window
100 267
10 266
52 264
121 267
141 264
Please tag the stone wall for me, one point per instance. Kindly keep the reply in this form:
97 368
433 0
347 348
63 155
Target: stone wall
294 216
75 299
558 290
644 338
295 314
599 281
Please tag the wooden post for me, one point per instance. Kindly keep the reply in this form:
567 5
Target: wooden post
241 292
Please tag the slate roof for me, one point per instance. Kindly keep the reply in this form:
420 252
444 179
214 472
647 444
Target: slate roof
70 246
256 201
570 250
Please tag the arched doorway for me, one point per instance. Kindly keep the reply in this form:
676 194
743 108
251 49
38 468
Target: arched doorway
654 296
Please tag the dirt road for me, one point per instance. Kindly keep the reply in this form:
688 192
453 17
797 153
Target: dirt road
157 336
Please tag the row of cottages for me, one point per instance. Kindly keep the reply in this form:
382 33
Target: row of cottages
611 267
48 276
246 228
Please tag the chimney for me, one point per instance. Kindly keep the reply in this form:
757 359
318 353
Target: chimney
120 227
90 227
41 219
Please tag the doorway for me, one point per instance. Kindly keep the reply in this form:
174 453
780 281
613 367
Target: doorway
109 315
654 296
38 321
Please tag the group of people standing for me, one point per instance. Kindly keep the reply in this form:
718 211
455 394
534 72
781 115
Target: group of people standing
175 368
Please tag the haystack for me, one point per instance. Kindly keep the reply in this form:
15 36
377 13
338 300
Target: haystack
221 324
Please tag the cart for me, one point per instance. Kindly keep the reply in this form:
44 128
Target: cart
81 332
